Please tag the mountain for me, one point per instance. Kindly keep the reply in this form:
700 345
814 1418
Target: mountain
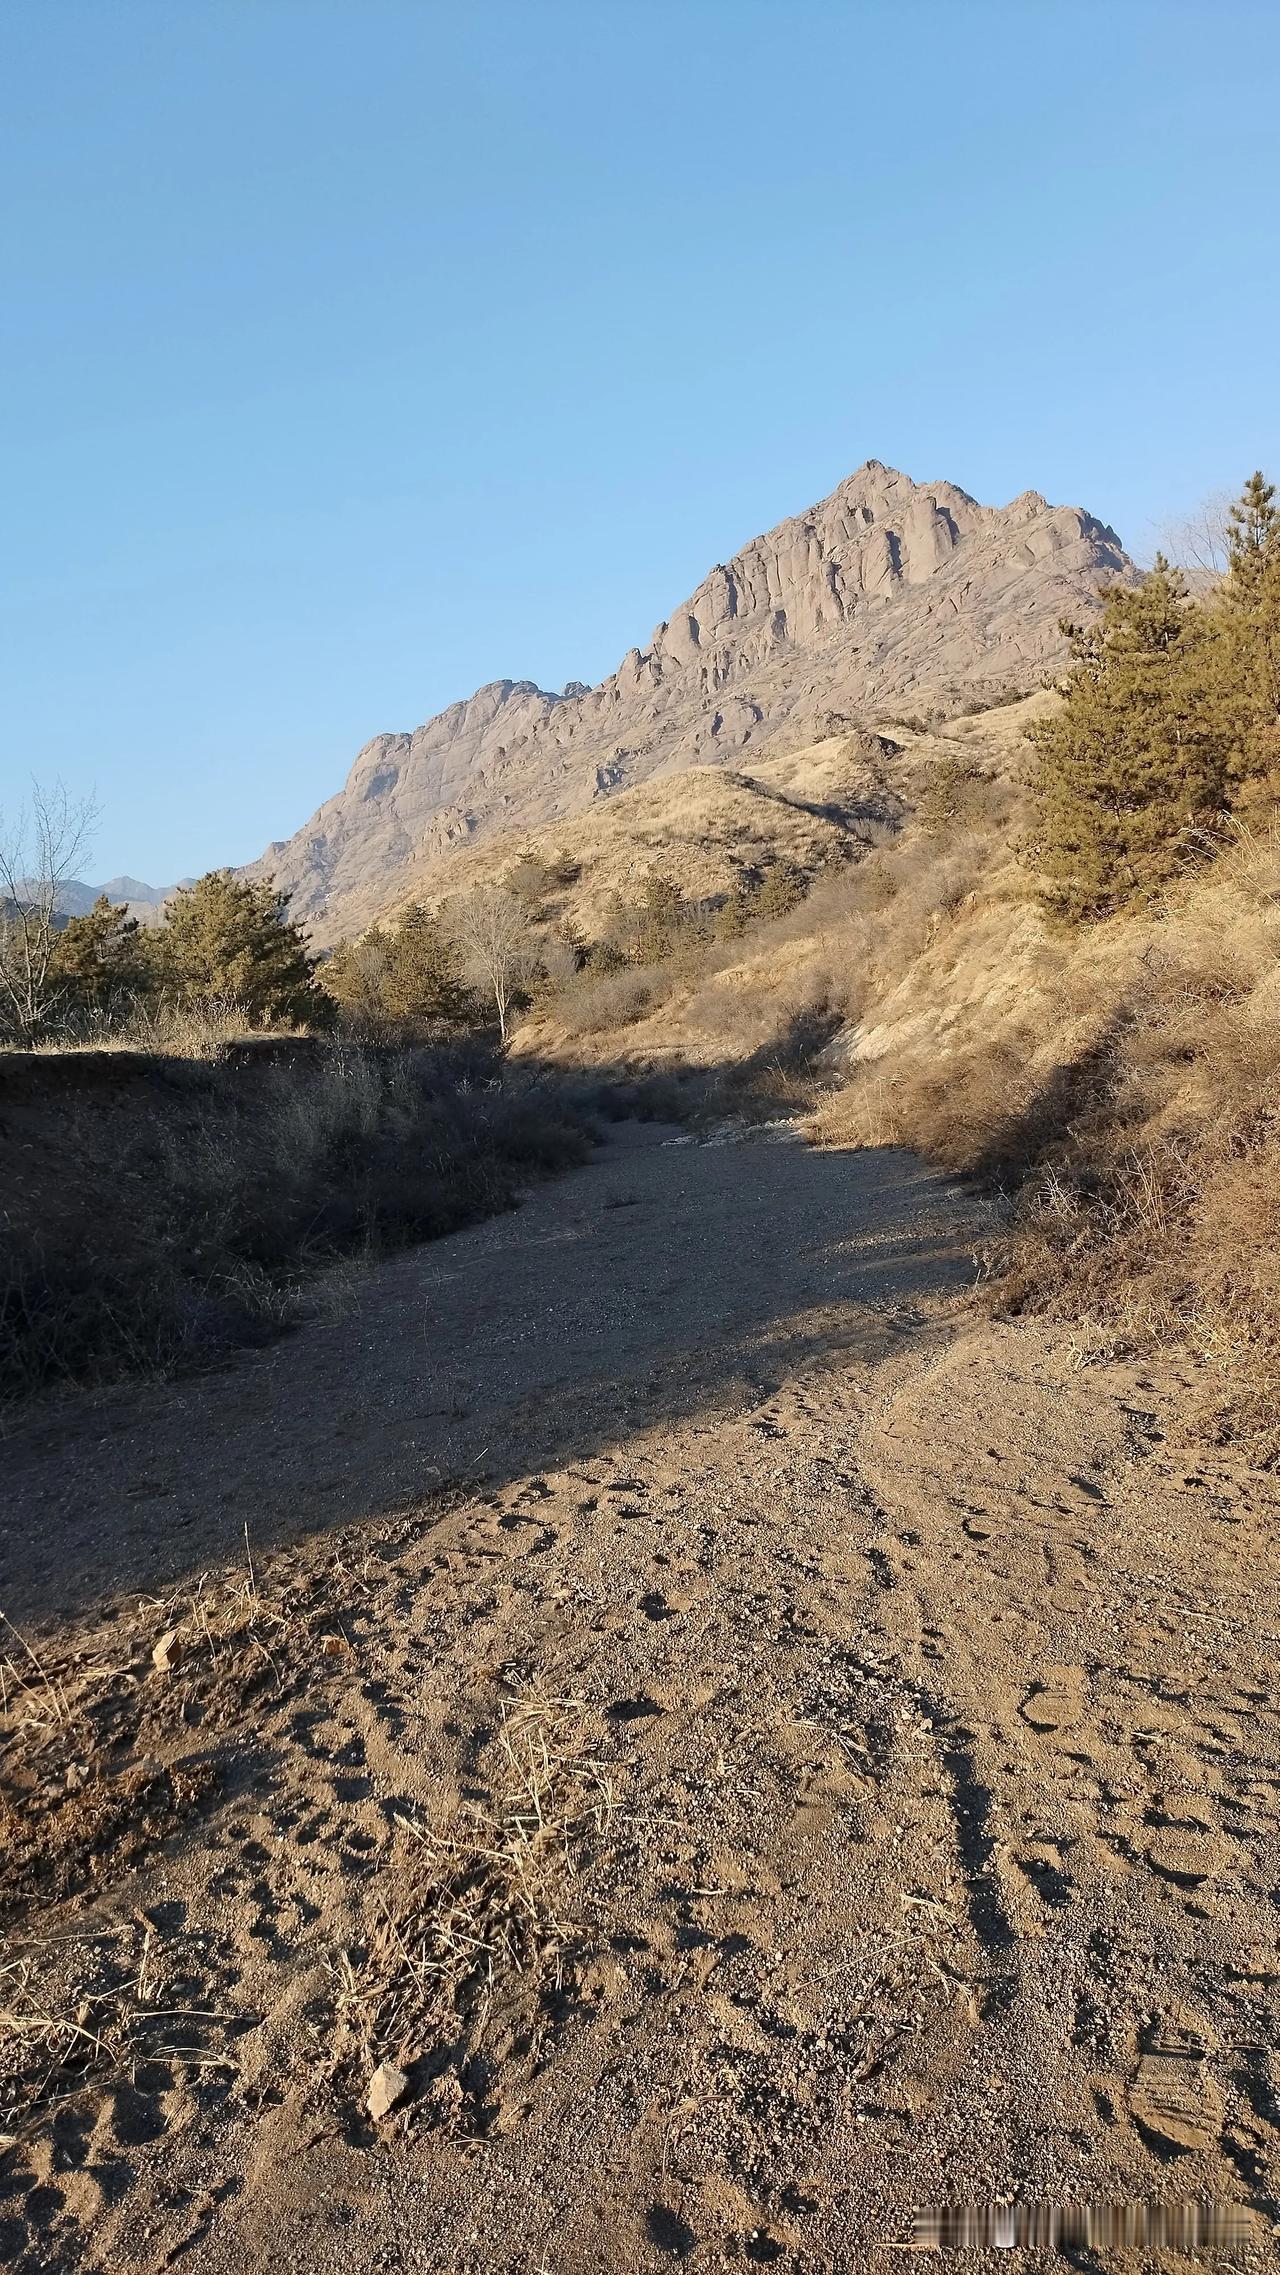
888 592
143 901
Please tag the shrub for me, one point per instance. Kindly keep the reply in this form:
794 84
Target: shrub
159 1212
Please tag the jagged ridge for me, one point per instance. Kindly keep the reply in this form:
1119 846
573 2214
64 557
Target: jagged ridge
888 589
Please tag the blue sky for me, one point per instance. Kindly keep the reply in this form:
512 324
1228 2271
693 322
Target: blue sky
359 353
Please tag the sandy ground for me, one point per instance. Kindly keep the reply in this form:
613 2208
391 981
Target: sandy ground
753 1747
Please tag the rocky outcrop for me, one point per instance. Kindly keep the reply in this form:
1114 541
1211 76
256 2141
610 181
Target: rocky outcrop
888 592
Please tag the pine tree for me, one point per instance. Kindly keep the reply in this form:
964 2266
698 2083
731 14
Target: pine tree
1135 762
783 888
402 980
229 939
1253 534
658 918
1246 657
736 910
99 962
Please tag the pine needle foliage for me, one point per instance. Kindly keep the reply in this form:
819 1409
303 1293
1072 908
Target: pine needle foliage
1132 770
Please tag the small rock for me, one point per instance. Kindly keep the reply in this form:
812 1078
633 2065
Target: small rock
387 2086
168 1650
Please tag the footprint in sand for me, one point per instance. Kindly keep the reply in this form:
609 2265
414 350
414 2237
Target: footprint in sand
1185 1845
1055 1702
1173 2099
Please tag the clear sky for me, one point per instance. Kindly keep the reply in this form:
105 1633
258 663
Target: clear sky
361 351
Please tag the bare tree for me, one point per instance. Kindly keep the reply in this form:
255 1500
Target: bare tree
491 927
1199 540
40 850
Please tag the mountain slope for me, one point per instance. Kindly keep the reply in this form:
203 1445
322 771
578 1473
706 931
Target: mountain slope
888 589
146 902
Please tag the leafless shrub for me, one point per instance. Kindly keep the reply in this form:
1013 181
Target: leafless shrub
602 1006
41 846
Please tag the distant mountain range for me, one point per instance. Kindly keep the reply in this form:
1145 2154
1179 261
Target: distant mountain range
890 595
143 901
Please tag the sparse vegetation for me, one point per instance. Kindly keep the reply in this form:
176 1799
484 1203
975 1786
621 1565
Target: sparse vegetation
40 847
1139 1144
1113 1075
402 981
159 1211
499 1904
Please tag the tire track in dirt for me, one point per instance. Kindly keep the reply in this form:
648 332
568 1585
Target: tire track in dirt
1100 1614
858 1771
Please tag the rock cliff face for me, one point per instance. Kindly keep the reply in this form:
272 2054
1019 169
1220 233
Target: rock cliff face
890 592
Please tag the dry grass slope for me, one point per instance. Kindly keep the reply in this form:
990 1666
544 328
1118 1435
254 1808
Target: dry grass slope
1117 1084
705 828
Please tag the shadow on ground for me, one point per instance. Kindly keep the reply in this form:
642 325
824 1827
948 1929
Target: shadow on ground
667 1277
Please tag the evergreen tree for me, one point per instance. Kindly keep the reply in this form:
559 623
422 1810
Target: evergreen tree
1246 650
229 939
424 973
409 978
1135 762
1253 534
784 887
99 962
736 910
658 917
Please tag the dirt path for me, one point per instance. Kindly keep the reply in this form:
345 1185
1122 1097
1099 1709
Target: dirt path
756 1748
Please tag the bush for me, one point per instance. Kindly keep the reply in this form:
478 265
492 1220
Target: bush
159 1212
600 1005
1139 1144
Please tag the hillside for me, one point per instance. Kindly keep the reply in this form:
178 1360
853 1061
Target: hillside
705 828
889 591
866 929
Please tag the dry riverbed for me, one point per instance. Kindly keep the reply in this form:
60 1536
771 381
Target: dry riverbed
648 1731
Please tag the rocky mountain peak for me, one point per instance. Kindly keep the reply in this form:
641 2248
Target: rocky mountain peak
888 589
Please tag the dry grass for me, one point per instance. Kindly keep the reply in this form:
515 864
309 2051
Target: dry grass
99 2006
1126 1096
159 1211
484 1921
86 1724
1117 1085
164 1030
